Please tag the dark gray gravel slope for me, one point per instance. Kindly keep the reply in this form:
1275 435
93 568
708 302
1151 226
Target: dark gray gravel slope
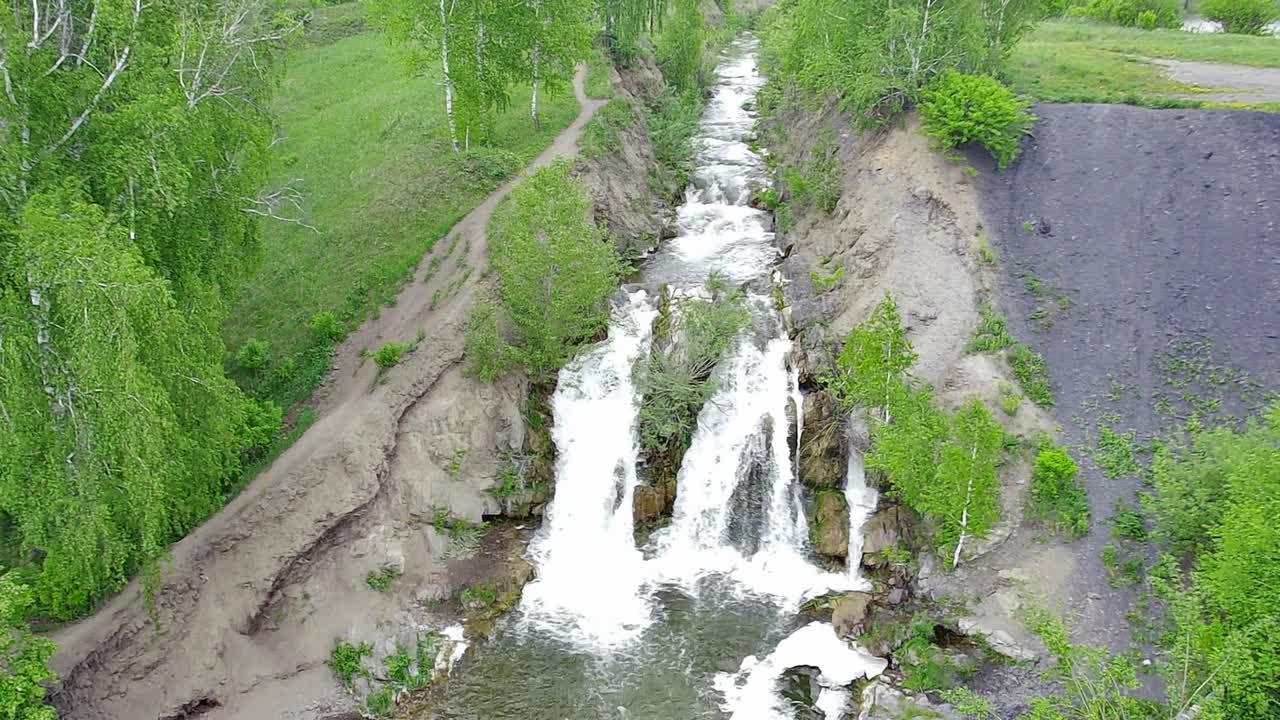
1160 226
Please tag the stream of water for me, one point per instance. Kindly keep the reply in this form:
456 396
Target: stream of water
700 620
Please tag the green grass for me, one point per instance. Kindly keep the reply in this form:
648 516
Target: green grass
1078 61
601 135
369 146
598 84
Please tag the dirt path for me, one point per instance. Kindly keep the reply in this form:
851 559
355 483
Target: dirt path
1226 83
463 251
251 602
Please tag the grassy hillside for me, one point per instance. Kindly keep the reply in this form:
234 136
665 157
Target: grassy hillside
1080 61
367 146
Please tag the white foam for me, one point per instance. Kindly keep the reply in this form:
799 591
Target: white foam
752 692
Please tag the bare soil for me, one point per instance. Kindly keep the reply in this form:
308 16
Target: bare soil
251 603
1162 228
1226 83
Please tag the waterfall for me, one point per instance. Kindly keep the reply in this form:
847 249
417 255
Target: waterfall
739 514
861 499
589 570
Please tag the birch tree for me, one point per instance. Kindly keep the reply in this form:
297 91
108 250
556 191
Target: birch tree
134 144
874 361
965 498
557 36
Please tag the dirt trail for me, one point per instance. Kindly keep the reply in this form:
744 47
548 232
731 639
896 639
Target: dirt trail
1226 83
251 602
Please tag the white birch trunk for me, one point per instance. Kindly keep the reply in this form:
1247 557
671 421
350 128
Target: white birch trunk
448 79
964 516
533 99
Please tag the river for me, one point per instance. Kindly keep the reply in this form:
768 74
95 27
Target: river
701 618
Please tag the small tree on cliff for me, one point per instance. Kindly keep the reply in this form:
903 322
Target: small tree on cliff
873 364
964 498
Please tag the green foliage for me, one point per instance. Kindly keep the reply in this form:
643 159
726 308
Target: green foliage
1010 399
480 597
1032 373
1225 613
24 657
381 580
599 68
601 135
1096 684
325 326
555 268
873 363
673 122
676 381
1243 17
907 448
992 333
879 55
254 354
964 499
389 355
1134 13
925 666
1116 453
1127 523
346 662
488 356
958 108
680 45
1057 497
484 168
816 182
823 283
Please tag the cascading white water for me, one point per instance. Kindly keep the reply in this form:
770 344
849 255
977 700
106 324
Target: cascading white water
739 518
861 499
589 570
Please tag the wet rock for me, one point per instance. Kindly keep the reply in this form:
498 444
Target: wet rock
800 686
831 524
850 613
822 461
647 504
884 530
881 701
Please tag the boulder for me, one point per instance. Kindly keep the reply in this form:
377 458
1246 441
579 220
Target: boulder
881 701
800 686
850 613
822 458
831 524
882 531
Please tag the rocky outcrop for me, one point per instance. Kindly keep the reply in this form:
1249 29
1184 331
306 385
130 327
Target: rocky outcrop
882 701
888 528
849 615
831 524
622 198
822 450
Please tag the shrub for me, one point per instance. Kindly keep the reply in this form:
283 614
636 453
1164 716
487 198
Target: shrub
1134 13
253 354
1057 496
382 579
324 325
556 269
345 661
388 355
600 136
488 357
24 657
1244 17
992 333
959 108
1032 373
485 167
259 426
480 597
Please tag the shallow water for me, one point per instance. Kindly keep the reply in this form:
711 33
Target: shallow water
701 619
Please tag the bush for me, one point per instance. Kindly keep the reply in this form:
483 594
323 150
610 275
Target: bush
388 355
485 167
346 662
600 136
253 355
262 421
1032 373
959 108
1057 496
556 269
325 326
488 357
24 657
1135 13
1244 17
